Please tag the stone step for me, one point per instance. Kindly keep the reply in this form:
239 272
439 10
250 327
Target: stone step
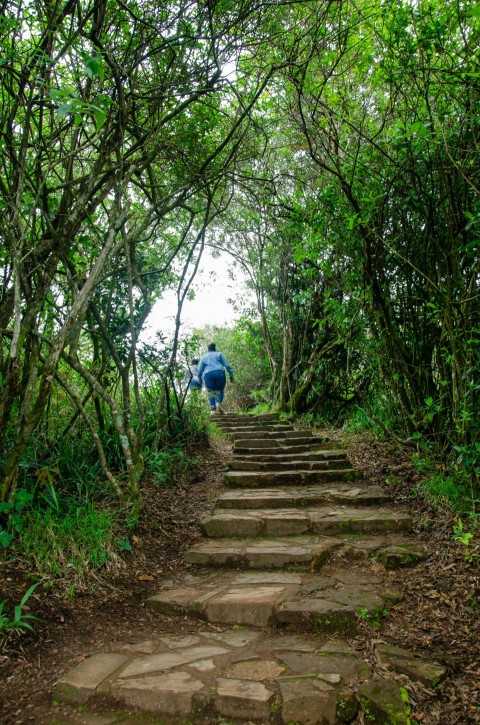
239 675
319 454
313 575
301 498
321 465
262 479
269 448
258 427
266 427
274 435
276 599
247 419
293 438
305 553
293 522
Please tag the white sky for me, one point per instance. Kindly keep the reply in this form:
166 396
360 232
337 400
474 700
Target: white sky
213 288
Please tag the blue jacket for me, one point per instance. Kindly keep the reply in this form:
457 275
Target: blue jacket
214 361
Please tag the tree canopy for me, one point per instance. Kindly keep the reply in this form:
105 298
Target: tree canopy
330 147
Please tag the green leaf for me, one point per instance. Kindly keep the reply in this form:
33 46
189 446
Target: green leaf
28 594
415 436
124 545
93 67
100 117
63 109
5 539
419 129
56 93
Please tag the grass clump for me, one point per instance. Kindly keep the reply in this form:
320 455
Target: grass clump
445 490
171 467
450 487
19 622
70 544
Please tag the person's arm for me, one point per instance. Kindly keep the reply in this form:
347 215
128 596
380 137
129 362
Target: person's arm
201 368
226 364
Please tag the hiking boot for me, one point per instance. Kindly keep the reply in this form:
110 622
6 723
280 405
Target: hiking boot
220 409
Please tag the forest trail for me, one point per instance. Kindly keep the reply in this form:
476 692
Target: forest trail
297 550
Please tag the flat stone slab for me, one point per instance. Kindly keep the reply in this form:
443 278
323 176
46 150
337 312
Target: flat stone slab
244 699
241 674
87 678
170 693
292 522
309 701
267 479
317 615
253 605
264 498
296 601
407 663
402 554
386 702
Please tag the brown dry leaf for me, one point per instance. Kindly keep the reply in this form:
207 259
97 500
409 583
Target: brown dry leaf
145 578
135 539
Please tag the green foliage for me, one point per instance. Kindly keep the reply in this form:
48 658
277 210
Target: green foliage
468 535
71 544
20 622
170 467
124 545
337 165
373 618
448 487
360 419
260 408
464 537
11 516
184 428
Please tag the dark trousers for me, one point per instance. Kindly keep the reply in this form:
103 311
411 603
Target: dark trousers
215 382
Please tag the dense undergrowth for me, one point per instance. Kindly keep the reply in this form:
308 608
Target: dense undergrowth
63 524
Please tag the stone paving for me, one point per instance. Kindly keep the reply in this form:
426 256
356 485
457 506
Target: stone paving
294 555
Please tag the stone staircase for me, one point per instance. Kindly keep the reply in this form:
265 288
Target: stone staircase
284 573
